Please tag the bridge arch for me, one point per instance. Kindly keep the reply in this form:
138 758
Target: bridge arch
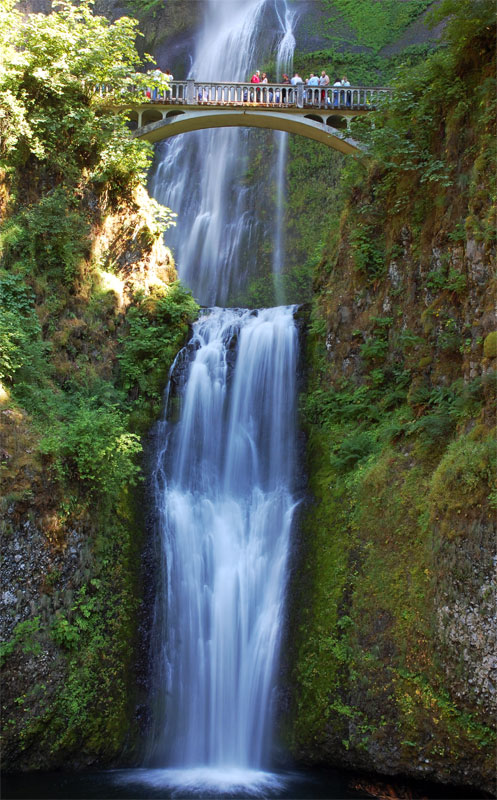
337 121
311 126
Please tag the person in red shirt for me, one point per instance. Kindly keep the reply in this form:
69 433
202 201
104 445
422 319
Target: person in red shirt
256 77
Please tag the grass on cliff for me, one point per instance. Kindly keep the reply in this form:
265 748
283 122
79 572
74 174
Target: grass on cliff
374 24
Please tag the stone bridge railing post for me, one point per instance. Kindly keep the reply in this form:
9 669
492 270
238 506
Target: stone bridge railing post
190 91
300 95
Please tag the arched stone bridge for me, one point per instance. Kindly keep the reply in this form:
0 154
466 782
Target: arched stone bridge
319 113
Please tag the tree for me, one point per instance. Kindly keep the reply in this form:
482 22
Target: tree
50 66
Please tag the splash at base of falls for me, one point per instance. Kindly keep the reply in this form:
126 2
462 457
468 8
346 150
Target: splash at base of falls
209 782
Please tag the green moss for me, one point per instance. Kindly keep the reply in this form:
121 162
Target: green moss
462 482
490 345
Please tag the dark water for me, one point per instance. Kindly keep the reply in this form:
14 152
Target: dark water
147 784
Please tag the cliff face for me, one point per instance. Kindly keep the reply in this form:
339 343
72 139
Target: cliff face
72 551
394 664
91 316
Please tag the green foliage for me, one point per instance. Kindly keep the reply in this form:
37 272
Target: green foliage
375 24
368 254
25 637
22 352
151 340
48 237
465 476
19 345
66 161
352 450
450 280
374 349
51 66
91 445
401 456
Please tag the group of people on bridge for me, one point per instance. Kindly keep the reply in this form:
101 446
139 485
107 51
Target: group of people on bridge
275 93
313 80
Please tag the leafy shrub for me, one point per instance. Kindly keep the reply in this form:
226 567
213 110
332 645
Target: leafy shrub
55 239
374 349
22 353
356 447
24 636
367 251
155 327
50 112
91 444
451 281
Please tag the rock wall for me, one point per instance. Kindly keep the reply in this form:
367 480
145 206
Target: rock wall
392 646
71 572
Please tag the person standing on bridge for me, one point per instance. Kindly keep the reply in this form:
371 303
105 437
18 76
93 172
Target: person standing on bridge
348 95
324 81
296 79
312 80
256 78
286 80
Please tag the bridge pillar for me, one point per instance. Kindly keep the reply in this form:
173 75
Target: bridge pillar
190 91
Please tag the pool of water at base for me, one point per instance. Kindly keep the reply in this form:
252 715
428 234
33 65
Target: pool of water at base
160 784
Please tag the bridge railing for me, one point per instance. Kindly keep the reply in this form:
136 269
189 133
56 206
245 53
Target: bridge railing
349 97
277 95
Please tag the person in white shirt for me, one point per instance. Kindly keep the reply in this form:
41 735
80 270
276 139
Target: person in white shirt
336 93
313 80
348 95
324 81
296 79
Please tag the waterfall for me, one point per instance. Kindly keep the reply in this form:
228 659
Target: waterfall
223 476
200 174
284 61
223 493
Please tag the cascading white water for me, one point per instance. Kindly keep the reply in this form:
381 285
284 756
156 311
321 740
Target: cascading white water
200 175
284 61
224 471
223 487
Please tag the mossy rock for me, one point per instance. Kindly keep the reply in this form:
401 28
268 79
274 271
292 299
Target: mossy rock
490 345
